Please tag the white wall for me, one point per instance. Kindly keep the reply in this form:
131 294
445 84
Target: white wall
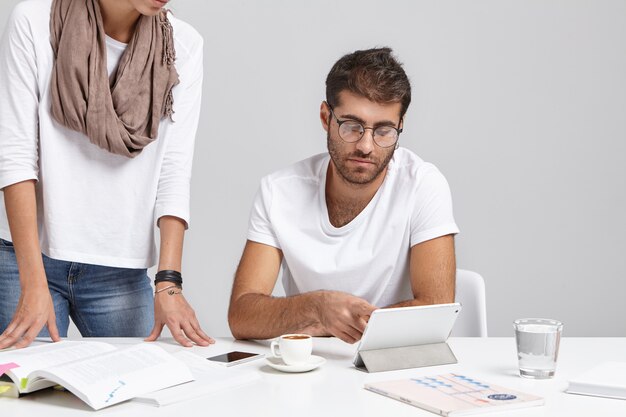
521 104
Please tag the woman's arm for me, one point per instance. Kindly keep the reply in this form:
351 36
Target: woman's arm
35 308
172 309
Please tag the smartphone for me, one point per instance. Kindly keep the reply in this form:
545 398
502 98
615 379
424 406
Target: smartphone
235 358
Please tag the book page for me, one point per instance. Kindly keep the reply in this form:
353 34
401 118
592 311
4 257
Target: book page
50 354
208 379
119 375
8 388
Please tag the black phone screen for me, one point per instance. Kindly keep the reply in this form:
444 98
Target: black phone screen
232 356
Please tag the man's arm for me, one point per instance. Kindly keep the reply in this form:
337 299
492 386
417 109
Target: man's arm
433 272
255 314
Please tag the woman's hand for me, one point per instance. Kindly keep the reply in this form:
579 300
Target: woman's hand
35 310
171 309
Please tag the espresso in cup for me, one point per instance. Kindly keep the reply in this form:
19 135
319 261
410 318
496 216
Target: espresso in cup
293 349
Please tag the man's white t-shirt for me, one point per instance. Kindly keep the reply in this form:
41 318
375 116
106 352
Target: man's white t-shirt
368 257
93 206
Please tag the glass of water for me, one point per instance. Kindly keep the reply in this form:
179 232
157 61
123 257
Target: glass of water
537 346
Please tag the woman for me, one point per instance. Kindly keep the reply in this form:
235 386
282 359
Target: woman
98 114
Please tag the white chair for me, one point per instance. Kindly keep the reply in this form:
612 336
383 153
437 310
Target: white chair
470 292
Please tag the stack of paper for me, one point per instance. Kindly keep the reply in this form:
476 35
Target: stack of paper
605 380
208 379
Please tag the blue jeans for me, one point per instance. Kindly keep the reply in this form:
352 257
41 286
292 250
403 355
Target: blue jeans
102 301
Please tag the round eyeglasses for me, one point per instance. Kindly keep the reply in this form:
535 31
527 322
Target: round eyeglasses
352 131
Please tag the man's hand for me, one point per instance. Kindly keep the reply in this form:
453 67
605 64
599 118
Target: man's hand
35 309
173 311
343 315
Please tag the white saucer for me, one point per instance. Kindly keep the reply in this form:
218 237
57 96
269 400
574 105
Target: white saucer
278 364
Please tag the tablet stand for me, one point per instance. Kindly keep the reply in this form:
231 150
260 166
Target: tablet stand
392 359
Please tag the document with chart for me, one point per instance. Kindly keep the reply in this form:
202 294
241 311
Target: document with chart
453 394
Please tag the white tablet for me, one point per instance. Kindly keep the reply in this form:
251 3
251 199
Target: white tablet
408 326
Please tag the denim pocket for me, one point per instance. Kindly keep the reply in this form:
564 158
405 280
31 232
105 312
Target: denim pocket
6 244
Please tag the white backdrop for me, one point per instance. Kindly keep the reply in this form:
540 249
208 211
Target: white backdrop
521 104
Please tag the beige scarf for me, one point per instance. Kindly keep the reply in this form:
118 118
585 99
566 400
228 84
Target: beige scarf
120 114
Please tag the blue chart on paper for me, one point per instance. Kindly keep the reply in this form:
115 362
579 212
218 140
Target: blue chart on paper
464 388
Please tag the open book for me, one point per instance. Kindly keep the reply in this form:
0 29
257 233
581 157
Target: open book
453 395
98 373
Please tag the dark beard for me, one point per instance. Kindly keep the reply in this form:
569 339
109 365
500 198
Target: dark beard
346 174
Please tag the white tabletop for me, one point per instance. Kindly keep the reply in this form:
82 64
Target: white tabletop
336 388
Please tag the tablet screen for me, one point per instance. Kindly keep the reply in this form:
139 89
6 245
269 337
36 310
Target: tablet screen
409 326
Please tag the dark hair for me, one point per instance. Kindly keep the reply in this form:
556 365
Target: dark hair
374 74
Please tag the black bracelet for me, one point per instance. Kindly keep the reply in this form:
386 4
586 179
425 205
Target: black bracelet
169 275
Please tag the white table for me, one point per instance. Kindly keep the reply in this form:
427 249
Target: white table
337 388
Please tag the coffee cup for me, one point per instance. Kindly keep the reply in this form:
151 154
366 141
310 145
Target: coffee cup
293 349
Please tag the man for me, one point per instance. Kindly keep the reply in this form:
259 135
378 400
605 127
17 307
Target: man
365 226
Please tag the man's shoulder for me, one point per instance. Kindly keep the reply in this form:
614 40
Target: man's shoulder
305 169
408 166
